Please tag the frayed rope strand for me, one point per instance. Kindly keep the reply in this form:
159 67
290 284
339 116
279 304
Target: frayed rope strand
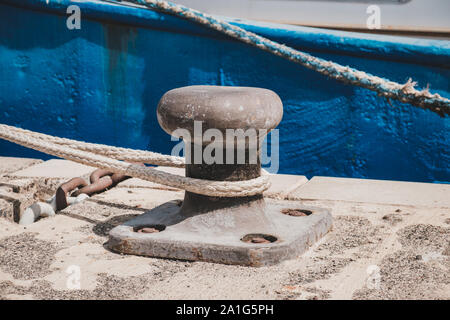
402 92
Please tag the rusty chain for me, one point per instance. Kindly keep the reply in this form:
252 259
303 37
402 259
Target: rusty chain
101 180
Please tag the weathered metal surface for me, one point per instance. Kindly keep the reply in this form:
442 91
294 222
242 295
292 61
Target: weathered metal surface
244 230
100 181
63 191
100 185
219 108
217 236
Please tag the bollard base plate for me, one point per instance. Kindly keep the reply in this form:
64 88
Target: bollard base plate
257 235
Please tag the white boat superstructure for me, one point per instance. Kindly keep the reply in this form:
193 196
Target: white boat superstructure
423 16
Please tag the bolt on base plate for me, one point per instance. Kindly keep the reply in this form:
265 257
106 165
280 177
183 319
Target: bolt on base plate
264 233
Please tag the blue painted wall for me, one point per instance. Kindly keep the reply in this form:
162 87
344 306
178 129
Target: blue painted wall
102 84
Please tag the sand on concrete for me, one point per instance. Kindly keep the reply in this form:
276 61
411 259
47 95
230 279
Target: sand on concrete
407 245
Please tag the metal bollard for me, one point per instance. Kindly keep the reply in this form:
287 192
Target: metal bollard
226 110
250 231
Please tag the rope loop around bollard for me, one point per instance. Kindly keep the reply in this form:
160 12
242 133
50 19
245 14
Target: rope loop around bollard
33 140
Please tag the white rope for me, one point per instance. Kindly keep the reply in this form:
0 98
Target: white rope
205 187
118 153
384 87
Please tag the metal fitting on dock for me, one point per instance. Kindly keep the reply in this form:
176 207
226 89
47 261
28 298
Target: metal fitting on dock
232 122
223 129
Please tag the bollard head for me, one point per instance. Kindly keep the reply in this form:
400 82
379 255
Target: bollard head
219 108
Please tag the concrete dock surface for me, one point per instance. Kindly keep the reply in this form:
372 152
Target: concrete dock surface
390 240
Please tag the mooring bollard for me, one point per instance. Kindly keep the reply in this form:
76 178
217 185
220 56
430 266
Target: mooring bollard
224 112
223 129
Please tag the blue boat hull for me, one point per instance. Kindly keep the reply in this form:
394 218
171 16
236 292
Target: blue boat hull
102 84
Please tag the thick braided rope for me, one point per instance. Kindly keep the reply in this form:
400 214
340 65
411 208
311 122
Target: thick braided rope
126 154
205 187
386 88
108 151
